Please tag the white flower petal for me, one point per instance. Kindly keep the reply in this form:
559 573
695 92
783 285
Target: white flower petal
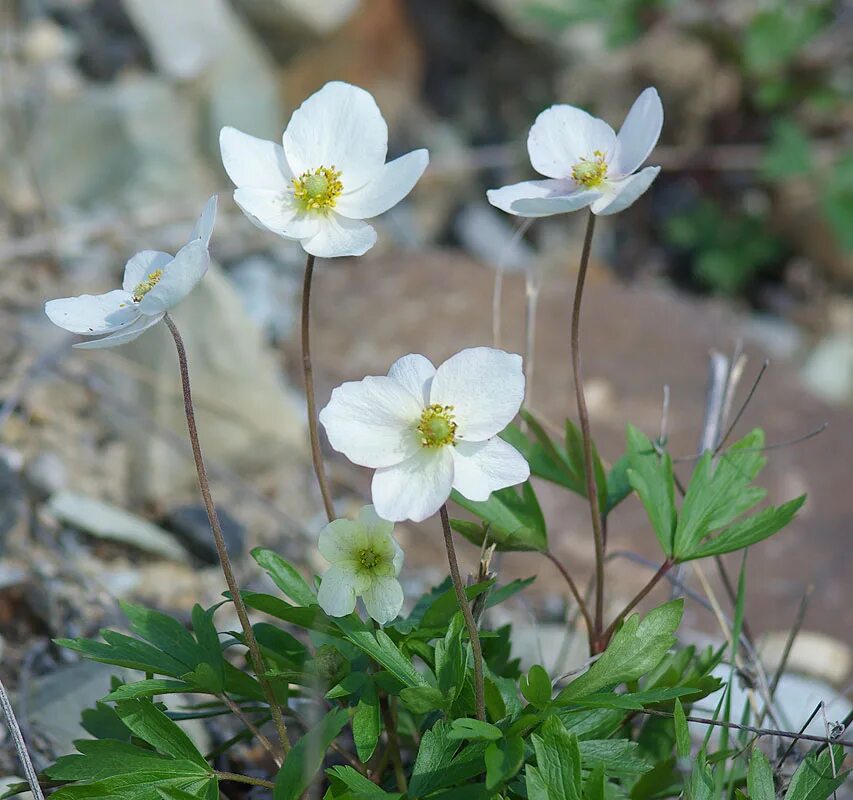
336 595
93 314
203 228
414 372
384 599
485 387
563 135
639 134
339 126
338 236
385 189
415 489
372 422
372 522
140 266
180 277
275 211
480 468
624 192
340 540
253 163
123 336
541 198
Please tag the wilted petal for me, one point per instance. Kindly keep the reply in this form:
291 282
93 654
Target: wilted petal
140 266
414 372
392 182
337 592
415 489
384 599
485 386
372 422
541 198
639 134
562 135
480 468
253 163
624 192
338 236
339 126
93 314
123 336
180 277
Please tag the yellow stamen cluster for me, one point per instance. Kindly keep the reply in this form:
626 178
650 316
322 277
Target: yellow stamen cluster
590 172
318 190
368 558
143 287
437 426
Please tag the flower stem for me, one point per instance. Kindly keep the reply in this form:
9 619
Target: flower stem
470 624
221 549
256 732
575 593
20 745
233 776
664 568
308 373
393 743
583 418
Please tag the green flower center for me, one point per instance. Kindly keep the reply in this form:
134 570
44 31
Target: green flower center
437 426
143 287
590 172
318 190
368 558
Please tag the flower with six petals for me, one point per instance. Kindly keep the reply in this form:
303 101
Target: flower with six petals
365 562
153 283
585 162
426 431
327 177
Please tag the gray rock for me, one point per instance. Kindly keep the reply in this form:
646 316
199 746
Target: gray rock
490 238
46 474
300 16
270 295
106 521
12 500
191 528
828 372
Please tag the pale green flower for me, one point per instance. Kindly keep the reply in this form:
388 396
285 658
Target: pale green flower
365 562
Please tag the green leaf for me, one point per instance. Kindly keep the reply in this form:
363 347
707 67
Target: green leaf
514 521
788 152
633 700
682 732
148 688
837 201
595 786
750 531
125 651
366 722
503 761
306 757
574 451
285 576
816 778
558 764
536 687
423 699
618 485
451 660
650 475
635 649
435 755
381 649
164 632
466 728
148 722
360 786
210 650
759 779
620 757
312 618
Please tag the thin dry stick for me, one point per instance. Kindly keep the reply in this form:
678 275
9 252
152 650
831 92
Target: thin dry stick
750 729
582 607
470 624
20 745
308 372
583 418
256 732
221 549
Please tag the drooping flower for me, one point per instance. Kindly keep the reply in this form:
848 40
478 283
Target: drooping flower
329 176
365 562
153 283
585 162
426 431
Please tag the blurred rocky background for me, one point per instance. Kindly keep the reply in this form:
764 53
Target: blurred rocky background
109 117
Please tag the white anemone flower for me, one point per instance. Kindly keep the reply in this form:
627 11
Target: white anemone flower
585 161
329 176
365 562
426 431
153 283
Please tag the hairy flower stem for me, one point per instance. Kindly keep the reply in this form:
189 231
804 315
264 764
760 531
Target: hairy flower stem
582 607
256 732
224 560
308 373
664 568
390 721
470 624
233 776
583 418
20 745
